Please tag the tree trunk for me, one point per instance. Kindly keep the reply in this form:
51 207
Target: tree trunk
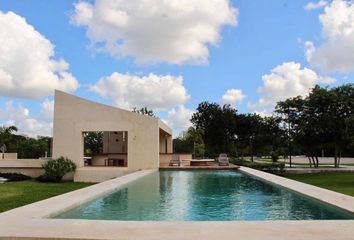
317 163
339 157
251 149
335 156
310 161
314 160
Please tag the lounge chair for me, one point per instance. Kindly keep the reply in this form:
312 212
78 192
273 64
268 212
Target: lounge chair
223 159
175 160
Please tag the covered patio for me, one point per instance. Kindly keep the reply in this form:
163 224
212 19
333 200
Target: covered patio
106 142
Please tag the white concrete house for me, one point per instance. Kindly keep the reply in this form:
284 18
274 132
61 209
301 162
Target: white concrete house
130 141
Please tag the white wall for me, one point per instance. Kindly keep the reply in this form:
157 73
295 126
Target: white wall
73 116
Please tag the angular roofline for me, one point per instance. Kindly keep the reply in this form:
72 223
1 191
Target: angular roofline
59 92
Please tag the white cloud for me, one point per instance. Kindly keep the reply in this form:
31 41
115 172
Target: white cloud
150 31
337 52
26 124
232 96
285 81
315 5
27 65
179 119
151 91
47 110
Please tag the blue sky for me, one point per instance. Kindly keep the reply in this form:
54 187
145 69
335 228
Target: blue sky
261 51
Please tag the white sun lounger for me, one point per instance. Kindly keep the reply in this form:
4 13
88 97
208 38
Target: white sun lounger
175 160
223 159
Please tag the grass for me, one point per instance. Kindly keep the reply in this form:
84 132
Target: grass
338 182
16 194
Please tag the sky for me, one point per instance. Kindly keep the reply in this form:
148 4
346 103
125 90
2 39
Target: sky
168 55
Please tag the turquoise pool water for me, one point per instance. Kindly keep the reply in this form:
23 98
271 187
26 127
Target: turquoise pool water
203 196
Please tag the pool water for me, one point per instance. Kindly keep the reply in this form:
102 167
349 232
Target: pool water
203 196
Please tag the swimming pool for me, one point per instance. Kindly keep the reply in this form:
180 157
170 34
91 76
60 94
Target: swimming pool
203 196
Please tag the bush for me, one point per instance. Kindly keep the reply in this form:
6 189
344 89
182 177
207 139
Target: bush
274 167
54 170
14 177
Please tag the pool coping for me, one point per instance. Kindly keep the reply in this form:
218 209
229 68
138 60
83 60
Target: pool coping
31 222
334 199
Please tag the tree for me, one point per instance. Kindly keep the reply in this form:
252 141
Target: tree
248 126
302 124
6 136
323 119
289 111
8 130
340 116
190 141
271 135
144 111
93 142
195 135
26 147
218 125
259 135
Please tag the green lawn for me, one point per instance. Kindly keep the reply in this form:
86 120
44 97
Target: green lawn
339 182
16 194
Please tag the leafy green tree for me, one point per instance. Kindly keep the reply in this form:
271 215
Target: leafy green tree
247 128
93 142
289 112
195 136
181 145
190 141
302 125
271 136
323 119
258 135
28 147
7 136
218 125
144 111
340 119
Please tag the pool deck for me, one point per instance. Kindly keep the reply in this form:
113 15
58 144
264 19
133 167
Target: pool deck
32 222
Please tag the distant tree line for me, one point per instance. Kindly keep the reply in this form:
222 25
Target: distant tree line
224 130
319 124
26 147
322 123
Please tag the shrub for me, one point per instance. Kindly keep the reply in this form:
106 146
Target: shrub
14 177
274 167
55 169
